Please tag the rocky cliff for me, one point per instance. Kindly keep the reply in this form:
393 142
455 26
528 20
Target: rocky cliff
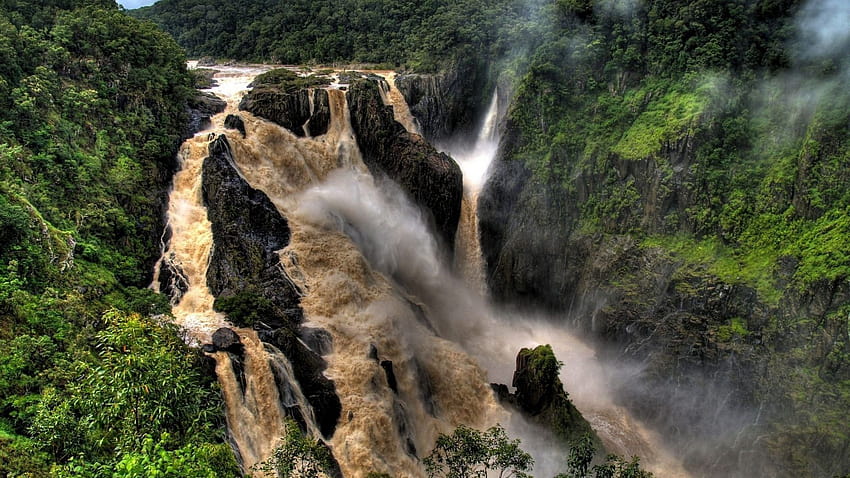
432 179
447 103
621 244
304 112
248 281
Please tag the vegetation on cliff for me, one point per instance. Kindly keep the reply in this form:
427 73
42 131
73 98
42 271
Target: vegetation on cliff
92 108
688 162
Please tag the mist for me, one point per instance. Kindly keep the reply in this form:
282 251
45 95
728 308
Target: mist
823 29
392 236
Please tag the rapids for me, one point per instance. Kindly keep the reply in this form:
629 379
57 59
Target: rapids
372 277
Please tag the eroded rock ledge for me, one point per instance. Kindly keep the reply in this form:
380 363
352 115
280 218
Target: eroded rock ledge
432 179
247 280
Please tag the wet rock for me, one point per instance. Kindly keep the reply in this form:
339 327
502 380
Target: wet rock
172 280
201 107
248 231
318 340
373 352
387 365
293 110
235 122
227 340
308 367
245 273
431 179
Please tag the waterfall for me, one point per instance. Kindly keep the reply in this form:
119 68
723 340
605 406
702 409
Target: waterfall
372 277
474 160
393 96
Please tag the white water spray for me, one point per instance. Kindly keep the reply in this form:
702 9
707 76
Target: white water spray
372 278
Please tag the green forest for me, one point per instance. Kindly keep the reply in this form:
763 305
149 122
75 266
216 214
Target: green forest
94 381
93 107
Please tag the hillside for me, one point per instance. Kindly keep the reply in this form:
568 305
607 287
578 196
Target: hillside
681 190
92 378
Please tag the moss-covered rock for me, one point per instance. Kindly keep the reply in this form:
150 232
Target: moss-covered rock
540 396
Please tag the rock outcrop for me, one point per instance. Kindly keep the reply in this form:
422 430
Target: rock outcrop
447 103
201 107
432 179
540 396
248 232
304 112
246 276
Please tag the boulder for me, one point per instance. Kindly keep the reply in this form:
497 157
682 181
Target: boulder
235 122
227 340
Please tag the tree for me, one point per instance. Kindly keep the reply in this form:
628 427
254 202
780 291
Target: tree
581 456
469 453
298 456
141 381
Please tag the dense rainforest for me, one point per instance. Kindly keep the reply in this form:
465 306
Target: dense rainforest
94 381
673 176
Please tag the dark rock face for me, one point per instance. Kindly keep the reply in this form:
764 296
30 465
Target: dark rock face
318 340
227 340
298 111
387 365
235 122
447 103
201 108
432 179
248 231
172 280
541 397
308 367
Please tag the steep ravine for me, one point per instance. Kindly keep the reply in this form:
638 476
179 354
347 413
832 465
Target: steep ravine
355 325
702 382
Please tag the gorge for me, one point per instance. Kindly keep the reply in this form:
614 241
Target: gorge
605 225
402 338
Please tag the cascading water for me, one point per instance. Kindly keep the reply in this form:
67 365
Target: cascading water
372 277
474 160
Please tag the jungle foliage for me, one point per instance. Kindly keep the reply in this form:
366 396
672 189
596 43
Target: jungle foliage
423 35
92 109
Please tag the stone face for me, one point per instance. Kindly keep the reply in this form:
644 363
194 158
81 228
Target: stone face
430 178
304 112
228 340
235 122
248 231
